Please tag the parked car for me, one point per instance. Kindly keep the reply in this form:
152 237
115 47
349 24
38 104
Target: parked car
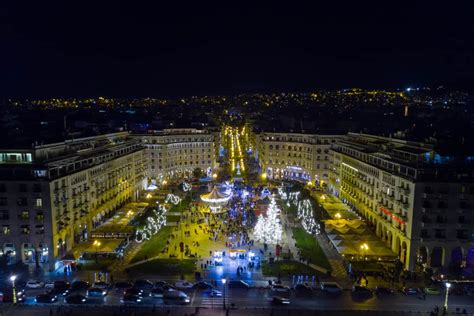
361 290
46 298
175 297
143 285
131 299
183 284
80 285
382 290
303 289
63 285
157 292
238 284
120 286
331 287
164 285
49 285
96 292
280 288
34 284
214 293
202 286
410 290
76 299
58 291
431 290
133 291
101 285
279 300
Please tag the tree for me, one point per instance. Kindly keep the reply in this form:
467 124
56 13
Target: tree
268 228
198 173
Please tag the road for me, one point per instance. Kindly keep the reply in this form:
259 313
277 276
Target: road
262 298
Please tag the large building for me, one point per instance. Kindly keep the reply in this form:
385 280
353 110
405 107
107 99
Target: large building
53 195
303 157
178 152
419 202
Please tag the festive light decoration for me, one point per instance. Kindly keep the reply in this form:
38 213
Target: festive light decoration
216 199
306 216
153 225
186 187
282 193
171 198
268 228
265 192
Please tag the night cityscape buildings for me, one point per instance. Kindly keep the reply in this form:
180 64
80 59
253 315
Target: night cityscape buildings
266 160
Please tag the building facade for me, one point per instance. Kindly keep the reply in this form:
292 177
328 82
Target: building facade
420 204
53 195
178 152
302 157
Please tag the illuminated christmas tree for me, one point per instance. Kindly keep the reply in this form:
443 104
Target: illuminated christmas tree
268 228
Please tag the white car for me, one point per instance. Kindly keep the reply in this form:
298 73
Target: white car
49 285
331 287
183 284
34 284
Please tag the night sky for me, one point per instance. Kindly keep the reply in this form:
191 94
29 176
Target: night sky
155 50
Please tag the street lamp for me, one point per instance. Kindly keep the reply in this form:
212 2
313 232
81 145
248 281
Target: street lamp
337 215
97 245
364 247
223 291
448 285
264 176
13 278
214 176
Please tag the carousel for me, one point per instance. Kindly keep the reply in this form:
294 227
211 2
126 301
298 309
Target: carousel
216 200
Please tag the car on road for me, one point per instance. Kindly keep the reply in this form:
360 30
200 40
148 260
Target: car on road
6 295
331 288
360 290
303 289
79 285
75 299
202 285
63 285
410 290
133 291
183 284
120 286
279 300
157 292
238 284
176 297
143 285
214 293
164 285
280 288
431 290
101 285
58 291
46 298
131 299
34 284
49 285
96 292
382 290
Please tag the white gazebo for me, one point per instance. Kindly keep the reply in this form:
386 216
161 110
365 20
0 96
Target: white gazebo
216 199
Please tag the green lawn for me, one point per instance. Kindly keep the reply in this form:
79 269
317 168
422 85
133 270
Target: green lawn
166 266
181 206
172 218
310 248
154 246
91 265
287 268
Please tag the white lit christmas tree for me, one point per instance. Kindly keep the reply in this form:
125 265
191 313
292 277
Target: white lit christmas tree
268 228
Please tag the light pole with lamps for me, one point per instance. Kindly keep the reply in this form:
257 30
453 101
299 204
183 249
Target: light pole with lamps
448 285
364 247
13 278
97 245
223 291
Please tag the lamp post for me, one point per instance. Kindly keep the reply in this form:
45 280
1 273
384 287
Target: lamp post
13 278
364 247
223 292
448 285
97 245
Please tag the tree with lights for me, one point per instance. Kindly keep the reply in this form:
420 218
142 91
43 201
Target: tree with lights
268 228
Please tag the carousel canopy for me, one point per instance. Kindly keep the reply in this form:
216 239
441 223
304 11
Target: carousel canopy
215 196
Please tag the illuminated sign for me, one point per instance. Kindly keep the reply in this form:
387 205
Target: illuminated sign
393 216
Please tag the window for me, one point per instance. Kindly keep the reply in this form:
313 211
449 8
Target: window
3 201
25 215
25 229
22 187
39 202
6 229
4 215
22 201
39 229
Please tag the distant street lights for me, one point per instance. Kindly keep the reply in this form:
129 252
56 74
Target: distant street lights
97 245
364 247
448 285
223 291
13 278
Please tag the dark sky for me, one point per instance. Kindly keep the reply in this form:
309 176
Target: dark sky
156 50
